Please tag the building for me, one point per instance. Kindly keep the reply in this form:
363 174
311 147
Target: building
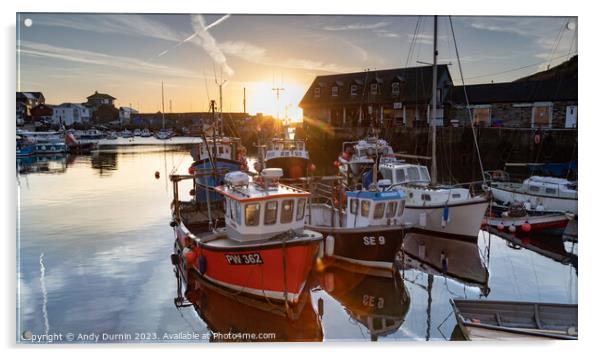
25 102
126 114
42 113
98 99
388 98
69 114
550 103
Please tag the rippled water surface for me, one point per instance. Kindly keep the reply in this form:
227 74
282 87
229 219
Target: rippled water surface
94 246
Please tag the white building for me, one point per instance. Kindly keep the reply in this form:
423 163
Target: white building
70 113
125 114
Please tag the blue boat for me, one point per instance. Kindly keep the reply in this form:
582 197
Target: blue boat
228 155
24 147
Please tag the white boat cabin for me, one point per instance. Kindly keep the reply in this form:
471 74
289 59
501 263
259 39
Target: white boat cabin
286 148
263 208
414 180
550 186
224 148
366 150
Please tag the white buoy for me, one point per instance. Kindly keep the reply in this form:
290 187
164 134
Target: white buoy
329 248
512 228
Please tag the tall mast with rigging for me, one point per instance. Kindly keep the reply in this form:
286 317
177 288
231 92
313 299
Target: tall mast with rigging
434 108
162 106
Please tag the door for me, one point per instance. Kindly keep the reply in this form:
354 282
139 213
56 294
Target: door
571 117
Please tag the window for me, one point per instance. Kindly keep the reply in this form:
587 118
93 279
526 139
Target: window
395 88
400 175
374 88
379 210
353 90
413 174
300 209
533 188
353 206
252 211
334 91
425 173
391 208
286 216
456 195
551 191
271 212
220 149
317 92
387 174
365 208
426 197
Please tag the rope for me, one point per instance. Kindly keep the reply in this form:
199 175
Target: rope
466 97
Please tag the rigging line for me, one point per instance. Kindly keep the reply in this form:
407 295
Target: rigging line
413 42
474 135
557 41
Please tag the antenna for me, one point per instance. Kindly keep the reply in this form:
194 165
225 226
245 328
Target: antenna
278 90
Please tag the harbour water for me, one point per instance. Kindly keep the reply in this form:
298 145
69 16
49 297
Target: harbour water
94 246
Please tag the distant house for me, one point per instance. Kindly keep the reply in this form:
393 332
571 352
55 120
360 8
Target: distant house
70 113
393 97
42 113
98 99
26 101
550 103
126 114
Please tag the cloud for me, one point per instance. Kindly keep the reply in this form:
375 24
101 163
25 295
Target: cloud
209 44
494 28
242 49
34 49
358 26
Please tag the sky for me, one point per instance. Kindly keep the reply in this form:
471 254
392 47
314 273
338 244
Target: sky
69 56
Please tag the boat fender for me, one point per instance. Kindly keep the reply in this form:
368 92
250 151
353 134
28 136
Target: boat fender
191 170
157 174
192 192
443 262
526 227
537 138
329 282
483 222
173 224
527 205
500 227
444 216
312 167
202 264
320 307
329 246
512 228
175 259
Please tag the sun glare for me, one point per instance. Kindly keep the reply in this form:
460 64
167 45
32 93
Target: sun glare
261 98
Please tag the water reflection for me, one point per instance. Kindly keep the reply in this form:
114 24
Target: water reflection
51 164
234 317
377 300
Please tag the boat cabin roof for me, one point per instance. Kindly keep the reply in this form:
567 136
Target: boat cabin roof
239 187
400 172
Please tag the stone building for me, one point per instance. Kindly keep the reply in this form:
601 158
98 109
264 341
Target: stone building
387 98
550 103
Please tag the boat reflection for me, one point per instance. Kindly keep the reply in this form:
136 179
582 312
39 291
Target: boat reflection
104 161
51 164
376 299
457 259
232 317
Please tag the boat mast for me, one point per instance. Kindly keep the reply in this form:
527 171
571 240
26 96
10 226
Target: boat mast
162 106
434 108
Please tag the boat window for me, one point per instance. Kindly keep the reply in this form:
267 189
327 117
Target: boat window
220 149
379 210
365 208
391 208
300 209
402 205
286 216
411 195
413 173
551 190
400 175
252 211
425 173
456 195
271 212
534 188
426 197
353 206
387 174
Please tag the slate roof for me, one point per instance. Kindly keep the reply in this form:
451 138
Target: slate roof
415 86
517 92
97 95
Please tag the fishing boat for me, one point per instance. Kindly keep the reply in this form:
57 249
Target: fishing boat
380 303
237 318
358 157
45 142
24 147
91 136
539 192
366 229
263 250
433 208
511 320
515 218
288 154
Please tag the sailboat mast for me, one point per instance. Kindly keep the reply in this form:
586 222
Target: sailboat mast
434 108
162 106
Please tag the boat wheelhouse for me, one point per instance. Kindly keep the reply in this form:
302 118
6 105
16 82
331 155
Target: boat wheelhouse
358 156
263 250
435 208
366 231
539 192
288 154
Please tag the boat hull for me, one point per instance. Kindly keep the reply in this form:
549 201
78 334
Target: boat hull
374 247
549 203
464 219
292 167
546 223
273 269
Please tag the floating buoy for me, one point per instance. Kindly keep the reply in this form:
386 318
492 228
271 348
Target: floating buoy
526 227
500 227
512 228
191 170
192 192
329 246
157 174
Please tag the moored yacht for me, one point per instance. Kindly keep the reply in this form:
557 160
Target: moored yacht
263 250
